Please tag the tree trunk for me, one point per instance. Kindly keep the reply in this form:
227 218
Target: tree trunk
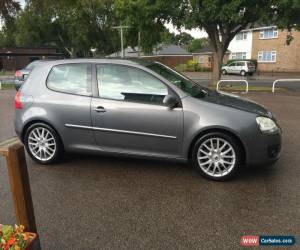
217 65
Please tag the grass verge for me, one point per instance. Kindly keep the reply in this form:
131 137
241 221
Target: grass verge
5 86
251 88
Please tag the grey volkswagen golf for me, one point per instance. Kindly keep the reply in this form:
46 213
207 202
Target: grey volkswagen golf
141 108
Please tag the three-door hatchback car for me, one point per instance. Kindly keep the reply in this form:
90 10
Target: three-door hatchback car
239 67
140 108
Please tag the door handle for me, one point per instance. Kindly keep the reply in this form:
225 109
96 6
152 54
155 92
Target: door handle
100 109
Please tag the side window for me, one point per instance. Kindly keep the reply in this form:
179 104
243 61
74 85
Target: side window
71 78
124 83
232 64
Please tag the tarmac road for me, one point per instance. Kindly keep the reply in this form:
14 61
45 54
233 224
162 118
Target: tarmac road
96 202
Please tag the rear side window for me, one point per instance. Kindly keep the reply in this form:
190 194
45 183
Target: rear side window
240 64
71 78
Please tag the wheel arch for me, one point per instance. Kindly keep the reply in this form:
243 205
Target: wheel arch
30 123
220 130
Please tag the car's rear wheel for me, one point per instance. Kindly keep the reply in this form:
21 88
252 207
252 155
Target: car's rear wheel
217 156
224 72
43 143
243 73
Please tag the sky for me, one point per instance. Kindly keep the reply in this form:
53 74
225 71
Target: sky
22 2
196 33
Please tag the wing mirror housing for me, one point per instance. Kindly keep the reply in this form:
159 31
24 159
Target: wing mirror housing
170 101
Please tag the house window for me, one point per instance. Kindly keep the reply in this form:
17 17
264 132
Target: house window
241 36
239 55
201 59
267 56
268 33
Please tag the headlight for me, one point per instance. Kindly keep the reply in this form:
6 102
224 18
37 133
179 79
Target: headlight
266 125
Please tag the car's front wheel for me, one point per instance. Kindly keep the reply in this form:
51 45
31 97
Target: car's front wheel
216 156
224 72
43 143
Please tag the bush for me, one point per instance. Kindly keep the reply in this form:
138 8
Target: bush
181 67
191 66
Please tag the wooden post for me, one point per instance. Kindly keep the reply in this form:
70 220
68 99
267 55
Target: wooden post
13 150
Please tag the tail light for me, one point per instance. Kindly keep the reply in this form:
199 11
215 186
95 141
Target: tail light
18 103
18 73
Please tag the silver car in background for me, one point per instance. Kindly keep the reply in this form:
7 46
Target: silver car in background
239 67
22 74
140 108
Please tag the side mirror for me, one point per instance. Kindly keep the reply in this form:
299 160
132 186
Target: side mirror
170 101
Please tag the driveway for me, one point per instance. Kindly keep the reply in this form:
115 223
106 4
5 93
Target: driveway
93 202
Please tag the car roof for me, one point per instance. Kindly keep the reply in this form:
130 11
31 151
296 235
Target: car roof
124 61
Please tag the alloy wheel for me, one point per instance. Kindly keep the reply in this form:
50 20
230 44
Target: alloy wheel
42 144
216 157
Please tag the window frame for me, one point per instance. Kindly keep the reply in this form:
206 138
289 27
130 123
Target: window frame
262 33
90 87
243 35
202 59
273 52
97 92
234 55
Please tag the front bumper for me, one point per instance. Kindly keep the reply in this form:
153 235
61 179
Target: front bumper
265 149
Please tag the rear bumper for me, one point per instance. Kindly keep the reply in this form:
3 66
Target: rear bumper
265 150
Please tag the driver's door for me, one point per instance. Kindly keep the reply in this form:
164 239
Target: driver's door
129 115
232 68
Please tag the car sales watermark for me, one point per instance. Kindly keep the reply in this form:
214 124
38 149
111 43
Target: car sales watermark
251 240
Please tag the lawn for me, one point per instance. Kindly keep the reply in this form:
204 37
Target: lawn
6 73
5 86
251 88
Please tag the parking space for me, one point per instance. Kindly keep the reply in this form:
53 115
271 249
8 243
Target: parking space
97 202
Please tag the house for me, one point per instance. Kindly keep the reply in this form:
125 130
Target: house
204 57
241 46
267 44
12 59
170 55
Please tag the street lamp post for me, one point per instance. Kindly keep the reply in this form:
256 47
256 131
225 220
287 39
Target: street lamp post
121 27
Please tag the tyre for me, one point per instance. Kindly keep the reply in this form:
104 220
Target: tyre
217 156
224 72
243 73
43 144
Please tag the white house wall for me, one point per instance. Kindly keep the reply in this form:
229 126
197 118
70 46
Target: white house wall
241 45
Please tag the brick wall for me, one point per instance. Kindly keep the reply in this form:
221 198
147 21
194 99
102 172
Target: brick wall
171 61
207 60
287 56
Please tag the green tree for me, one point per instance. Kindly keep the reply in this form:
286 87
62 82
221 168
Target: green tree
183 39
198 44
8 10
145 19
73 26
